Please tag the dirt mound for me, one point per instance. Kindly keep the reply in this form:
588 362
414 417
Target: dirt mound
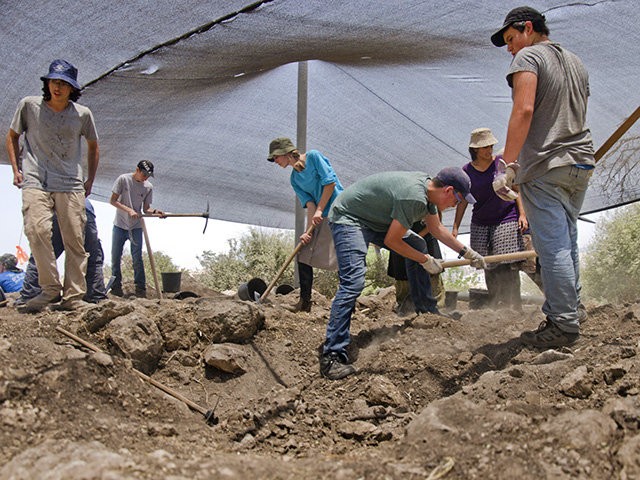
454 399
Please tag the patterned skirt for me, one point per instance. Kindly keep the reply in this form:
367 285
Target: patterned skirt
497 240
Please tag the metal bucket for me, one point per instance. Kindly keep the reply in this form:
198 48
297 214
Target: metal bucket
478 298
450 299
284 289
171 281
252 290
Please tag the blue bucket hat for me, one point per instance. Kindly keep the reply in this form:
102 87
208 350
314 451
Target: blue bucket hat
63 70
457 178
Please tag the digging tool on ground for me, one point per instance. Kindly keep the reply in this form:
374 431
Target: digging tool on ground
204 215
492 258
151 262
208 414
286 264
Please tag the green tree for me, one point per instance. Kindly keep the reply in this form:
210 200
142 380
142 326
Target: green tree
258 253
611 267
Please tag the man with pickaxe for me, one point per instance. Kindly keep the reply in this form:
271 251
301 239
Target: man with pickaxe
132 194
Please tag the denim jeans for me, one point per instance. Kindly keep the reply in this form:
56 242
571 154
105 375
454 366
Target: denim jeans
118 239
552 203
351 244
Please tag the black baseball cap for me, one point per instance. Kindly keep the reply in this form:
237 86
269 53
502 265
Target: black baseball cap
457 178
519 14
146 167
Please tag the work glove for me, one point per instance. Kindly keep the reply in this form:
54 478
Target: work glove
477 260
503 180
433 265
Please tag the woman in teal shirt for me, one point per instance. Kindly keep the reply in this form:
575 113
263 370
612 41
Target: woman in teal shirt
316 185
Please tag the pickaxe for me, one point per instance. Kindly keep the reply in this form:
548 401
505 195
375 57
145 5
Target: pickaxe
203 215
209 415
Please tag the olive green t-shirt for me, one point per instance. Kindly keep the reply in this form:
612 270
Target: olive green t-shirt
375 201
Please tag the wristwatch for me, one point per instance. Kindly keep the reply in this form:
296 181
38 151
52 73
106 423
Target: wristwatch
462 252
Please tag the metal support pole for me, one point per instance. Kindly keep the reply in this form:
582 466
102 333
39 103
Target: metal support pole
301 143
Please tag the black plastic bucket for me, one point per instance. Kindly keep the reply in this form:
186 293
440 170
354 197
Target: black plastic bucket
171 281
248 291
284 289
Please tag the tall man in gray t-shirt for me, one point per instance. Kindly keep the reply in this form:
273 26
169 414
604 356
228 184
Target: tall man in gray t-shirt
49 171
132 194
549 152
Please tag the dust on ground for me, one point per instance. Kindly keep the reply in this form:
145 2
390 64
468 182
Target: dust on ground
433 397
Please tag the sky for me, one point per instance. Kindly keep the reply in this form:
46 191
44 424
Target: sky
180 238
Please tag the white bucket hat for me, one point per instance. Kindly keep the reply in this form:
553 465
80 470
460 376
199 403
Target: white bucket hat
482 137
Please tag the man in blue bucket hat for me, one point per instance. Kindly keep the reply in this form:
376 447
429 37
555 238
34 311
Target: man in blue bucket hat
48 168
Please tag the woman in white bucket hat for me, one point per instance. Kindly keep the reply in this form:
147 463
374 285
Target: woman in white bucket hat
496 224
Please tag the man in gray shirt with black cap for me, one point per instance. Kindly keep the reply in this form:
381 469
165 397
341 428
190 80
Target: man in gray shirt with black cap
549 153
132 194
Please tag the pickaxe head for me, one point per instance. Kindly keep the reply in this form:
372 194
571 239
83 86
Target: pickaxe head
206 216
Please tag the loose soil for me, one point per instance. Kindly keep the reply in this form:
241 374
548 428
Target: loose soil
433 397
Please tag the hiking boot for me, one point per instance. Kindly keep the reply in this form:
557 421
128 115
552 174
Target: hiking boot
141 292
117 291
71 305
333 368
40 301
582 314
301 306
549 335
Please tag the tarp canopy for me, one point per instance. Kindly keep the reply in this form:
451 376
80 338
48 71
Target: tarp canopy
201 87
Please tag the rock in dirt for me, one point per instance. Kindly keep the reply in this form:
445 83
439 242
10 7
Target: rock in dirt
550 356
625 412
229 321
629 457
357 429
98 316
581 429
227 357
138 338
382 391
57 460
577 384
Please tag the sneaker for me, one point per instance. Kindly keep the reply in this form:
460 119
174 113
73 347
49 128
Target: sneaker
548 335
40 301
71 305
301 306
117 291
582 314
333 368
141 292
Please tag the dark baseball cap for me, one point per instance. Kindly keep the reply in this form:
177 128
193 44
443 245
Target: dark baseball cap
63 70
9 261
146 167
520 14
457 178
280 146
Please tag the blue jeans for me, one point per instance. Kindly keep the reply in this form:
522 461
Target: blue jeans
552 203
118 239
351 244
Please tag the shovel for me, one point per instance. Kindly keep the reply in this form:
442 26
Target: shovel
286 264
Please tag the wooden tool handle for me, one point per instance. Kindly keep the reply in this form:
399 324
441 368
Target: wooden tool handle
492 258
286 264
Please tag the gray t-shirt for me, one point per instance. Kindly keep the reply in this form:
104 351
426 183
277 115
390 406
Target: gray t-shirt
52 152
132 194
375 201
558 135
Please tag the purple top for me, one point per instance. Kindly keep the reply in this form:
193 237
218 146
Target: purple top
489 209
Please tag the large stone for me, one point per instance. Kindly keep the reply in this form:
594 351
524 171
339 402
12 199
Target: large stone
625 412
382 391
629 458
226 357
98 316
138 338
577 384
587 429
230 321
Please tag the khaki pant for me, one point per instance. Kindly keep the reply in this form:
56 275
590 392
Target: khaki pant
38 208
